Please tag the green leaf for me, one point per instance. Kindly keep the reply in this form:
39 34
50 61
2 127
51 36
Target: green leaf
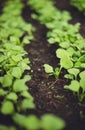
16 58
48 68
12 96
29 122
7 107
57 72
74 71
7 80
51 122
19 119
26 94
3 127
19 86
65 60
74 86
82 75
61 53
82 84
82 58
27 78
15 40
68 76
27 104
32 123
1 80
64 44
16 72
71 51
24 66
26 40
66 63
2 92
82 80
77 65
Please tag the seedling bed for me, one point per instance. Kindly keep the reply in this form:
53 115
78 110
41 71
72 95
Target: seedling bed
49 93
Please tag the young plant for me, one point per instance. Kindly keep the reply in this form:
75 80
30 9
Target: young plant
75 86
51 71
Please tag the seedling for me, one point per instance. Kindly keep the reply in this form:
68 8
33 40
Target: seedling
49 69
75 86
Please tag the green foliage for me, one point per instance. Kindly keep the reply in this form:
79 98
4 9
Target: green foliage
62 33
27 103
74 86
47 122
45 16
82 80
26 95
70 43
80 4
19 86
50 122
51 71
10 27
12 96
6 80
48 69
73 73
2 127
65 60
13 61
7 107
16 72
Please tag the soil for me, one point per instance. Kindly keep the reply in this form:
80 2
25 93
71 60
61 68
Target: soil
49 95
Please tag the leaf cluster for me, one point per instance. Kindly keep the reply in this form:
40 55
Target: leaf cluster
13 62
47 122
12 24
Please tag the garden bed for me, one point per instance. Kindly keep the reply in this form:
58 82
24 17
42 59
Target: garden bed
50 96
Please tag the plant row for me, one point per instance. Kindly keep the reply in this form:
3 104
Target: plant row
14 93
69 43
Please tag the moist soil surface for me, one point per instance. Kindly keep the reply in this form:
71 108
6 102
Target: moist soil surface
49 94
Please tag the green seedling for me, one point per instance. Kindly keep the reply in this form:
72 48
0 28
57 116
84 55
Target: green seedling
75 86
49 69
66 36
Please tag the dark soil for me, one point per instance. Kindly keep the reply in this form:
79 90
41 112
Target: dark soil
52 98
